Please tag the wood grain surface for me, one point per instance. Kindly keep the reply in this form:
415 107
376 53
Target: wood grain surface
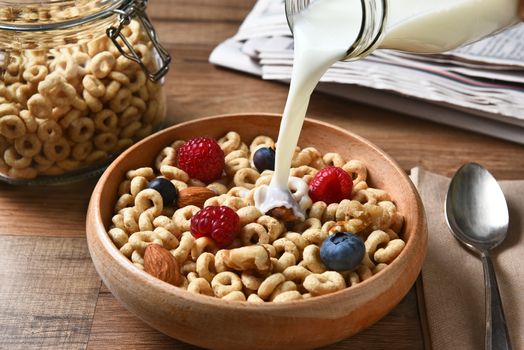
48 288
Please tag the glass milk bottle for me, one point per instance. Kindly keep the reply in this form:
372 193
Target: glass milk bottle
420 26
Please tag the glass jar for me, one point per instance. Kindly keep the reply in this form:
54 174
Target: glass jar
80 81
431 26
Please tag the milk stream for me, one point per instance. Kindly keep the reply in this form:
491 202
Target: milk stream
324 32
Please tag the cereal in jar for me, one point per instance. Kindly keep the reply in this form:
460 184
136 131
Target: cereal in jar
80 81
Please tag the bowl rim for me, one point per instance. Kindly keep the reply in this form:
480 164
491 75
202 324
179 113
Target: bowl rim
166 288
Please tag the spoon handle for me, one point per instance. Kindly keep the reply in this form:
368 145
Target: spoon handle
497 337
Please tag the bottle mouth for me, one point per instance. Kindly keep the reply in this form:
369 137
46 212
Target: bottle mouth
374 19
49 15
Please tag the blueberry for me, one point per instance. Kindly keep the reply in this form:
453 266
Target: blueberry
166 189
264 159
342 251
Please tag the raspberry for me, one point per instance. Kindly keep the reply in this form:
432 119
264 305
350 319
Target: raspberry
202 158
330 185
220 223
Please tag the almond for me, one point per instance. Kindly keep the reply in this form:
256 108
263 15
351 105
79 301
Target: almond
194 196
283 214
159 262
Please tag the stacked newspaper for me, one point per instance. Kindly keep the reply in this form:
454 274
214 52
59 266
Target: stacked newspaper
478 87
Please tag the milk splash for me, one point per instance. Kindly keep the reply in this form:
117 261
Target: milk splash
318 44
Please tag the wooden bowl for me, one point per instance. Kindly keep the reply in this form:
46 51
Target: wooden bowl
218 324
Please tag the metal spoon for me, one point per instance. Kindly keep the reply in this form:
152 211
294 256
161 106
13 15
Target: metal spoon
477 214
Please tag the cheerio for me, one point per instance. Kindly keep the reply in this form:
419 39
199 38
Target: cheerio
73 93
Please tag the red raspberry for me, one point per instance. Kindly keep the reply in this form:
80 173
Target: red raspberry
202 158
219 223
330 185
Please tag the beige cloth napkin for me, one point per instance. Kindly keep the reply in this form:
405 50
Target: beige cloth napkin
452 276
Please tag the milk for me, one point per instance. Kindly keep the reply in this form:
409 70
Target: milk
325 31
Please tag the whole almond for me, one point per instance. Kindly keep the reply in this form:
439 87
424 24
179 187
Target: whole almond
194 196
159 262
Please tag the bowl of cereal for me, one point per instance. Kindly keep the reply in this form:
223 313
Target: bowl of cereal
176 236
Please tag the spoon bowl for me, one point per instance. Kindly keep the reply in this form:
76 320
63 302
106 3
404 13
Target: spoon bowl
477 214
476 209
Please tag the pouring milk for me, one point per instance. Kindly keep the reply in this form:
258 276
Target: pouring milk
326 31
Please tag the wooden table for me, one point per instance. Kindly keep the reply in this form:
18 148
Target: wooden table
50 294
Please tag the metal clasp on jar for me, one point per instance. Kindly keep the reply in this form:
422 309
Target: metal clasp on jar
137 8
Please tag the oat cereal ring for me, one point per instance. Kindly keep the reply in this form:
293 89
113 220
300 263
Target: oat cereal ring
146 172
357 170
106 142
283 262
48 130
379 268
12 127
8 109
325 283
333 159
288 296
124 201
253 233
229 142
190 275
24 92
93 86
130 130
238 191
202 245
254 298
118 222
250 281
274 227
130 217
145 221
305 157
121 101
283 287
137 184
71 116
137 79
364 272
28 145
184 247
235 161
217 187
304 172
24 173
169 240
111 90
81 130
299 241
372 196
137 258
205 266
246 178
375 239
225 282
57 150
82 150
220 266
174 173
40 106
141 239
248 214
390 252
65 65
4 144
101 64
15 160
200 286
285 245
106 120
264 179
247 258
261 141
183 216
166 157
93 103
268 286
119 77
118 236
312 260
149 200
235 296
35 74
168 224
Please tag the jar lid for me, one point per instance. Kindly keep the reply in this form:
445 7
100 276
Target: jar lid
38 15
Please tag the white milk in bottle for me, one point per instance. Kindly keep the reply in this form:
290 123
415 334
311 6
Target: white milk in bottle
326 31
